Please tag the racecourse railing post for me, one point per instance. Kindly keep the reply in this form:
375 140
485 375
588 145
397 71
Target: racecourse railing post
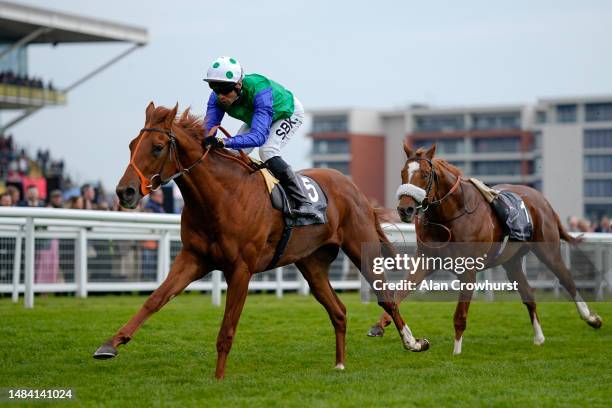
304 288
81 263
17 266
279 282
216 288
163 256
364 290
609 271
29 263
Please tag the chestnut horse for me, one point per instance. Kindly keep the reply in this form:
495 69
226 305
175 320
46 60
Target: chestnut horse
454 211
228 224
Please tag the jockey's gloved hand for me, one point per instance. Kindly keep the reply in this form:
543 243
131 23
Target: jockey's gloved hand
214 141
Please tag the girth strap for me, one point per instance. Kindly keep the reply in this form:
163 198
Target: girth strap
280 247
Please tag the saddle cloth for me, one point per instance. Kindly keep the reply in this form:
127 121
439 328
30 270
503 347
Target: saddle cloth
513 215
280 200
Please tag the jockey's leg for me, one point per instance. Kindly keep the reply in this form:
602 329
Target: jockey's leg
280 133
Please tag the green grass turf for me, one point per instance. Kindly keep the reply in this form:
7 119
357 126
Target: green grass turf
284 352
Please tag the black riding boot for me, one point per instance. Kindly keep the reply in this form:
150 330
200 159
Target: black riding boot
288 179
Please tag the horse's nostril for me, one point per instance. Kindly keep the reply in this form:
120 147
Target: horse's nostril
130 192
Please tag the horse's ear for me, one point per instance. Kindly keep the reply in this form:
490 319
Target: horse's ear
431 152
170 117
149 111
185 114
408 150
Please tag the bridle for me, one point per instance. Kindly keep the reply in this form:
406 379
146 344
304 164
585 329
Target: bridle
432 179
146 184
425 204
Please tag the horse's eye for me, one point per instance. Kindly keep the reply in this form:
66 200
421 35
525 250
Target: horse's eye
158 148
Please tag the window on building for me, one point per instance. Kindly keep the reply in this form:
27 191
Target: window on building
537 185
537 165
598 188
598 164
597 138
537 140
343 167
496 168
443 146
541 117
323 124
497 144
439 123
597 211
597 112
334 146
496 121
566 113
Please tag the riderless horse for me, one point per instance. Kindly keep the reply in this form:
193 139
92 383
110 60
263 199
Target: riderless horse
452 210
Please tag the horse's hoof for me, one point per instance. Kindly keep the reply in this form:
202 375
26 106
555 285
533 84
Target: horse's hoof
420 345
424 345
105 351
595 321
376 331
538 341
339 366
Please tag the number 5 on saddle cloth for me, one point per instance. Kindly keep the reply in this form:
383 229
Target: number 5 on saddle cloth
280 201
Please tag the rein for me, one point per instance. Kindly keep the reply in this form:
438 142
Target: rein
146 183
425 204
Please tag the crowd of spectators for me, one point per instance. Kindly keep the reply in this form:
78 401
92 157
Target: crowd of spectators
10 78
575 224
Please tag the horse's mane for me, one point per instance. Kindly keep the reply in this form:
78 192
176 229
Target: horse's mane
441 163
192 124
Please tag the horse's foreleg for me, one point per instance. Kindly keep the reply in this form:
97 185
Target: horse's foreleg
185 269
461 311
238 286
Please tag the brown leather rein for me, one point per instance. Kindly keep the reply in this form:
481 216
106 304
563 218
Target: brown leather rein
425 204
146 183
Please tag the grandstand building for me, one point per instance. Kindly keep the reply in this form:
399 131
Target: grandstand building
562 147
22 26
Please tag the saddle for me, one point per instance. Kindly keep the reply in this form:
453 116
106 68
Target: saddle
510 209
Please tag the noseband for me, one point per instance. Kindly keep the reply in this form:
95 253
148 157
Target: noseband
146 184
432 179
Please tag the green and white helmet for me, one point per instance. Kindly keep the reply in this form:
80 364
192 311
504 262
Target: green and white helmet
224 69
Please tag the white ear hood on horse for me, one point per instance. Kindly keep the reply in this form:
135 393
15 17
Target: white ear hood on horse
411 190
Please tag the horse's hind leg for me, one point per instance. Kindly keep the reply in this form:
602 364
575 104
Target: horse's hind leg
515 272
185 269
378 329
315 270
353 249
550 255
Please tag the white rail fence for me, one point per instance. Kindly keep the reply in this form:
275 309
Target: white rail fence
77 251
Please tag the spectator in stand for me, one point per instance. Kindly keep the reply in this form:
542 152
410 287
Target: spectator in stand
572 224
103 206
56 200
604 225
89 195
6 200
155 204
32 198
15 194
584 226
76 203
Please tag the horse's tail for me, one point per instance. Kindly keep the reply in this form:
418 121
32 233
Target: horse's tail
565 235
382 237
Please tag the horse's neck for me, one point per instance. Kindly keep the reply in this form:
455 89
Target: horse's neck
208 182
451 203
